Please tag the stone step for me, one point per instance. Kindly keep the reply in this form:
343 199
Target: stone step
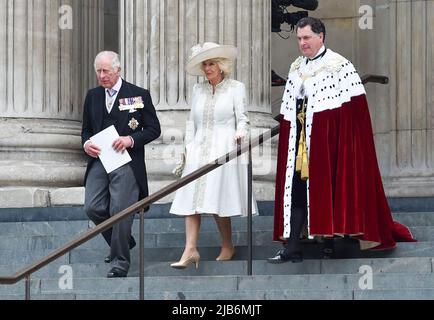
344 249
200 296
169 225
211 285
310 251
261 295
160 240
64 228
257 295
413 219
25 257
73 296
259 267
174 225
163 240
408 294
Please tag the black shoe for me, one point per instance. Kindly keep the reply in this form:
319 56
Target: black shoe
117 273
109 259
282 256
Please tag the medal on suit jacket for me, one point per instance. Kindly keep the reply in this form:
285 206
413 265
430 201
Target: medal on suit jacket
131 104
133 124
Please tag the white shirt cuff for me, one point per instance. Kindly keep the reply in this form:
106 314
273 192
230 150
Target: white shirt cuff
84 146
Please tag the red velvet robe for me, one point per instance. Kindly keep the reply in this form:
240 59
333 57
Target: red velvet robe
346 195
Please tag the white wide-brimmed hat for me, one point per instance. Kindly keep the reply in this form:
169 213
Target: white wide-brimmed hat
209 50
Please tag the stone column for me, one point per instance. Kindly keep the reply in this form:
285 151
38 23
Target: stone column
412 163
401 46
155 39
46 62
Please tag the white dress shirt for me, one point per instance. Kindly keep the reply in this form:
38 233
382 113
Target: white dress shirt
110 100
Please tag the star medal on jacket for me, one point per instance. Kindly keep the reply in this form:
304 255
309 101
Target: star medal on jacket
133 124
131 104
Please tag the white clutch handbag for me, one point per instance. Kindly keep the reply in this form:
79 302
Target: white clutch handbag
179 167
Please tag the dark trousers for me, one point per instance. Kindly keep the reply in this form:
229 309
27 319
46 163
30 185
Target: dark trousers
107 195
298 220
299 201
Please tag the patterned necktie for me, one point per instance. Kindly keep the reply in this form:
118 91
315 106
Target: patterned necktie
111 95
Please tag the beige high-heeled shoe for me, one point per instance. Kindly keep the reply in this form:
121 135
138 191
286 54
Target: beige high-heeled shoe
182 264
226 257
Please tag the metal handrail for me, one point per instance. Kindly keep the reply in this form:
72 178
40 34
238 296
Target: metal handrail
138 207
375 79
142 205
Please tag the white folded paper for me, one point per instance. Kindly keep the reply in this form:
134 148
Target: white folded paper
110 159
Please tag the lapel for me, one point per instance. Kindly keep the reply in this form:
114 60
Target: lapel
98 113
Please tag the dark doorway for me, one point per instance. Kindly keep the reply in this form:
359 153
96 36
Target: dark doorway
111 25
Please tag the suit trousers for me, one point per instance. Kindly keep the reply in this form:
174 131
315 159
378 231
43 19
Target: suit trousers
107 195
299 200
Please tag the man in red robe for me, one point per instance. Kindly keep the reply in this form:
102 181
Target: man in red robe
327 170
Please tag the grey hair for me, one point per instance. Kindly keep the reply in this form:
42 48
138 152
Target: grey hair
225 65
116 63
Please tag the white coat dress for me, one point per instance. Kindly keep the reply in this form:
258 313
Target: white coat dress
215 119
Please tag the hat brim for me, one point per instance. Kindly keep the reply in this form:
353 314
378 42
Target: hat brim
193 66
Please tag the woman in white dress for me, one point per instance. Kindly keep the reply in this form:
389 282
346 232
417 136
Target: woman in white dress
218 121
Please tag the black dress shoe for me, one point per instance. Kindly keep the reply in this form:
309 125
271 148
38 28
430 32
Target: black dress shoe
117 273
282 256
109 259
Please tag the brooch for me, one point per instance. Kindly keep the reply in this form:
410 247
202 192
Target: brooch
133 124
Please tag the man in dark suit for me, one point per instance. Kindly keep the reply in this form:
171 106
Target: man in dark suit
130 109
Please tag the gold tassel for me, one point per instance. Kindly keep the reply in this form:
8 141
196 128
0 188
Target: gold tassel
302 162
305 164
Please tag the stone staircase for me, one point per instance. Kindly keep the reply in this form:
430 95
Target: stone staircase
403 273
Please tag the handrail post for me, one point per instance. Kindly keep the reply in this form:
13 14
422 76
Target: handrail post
27 287
142 255
249 210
